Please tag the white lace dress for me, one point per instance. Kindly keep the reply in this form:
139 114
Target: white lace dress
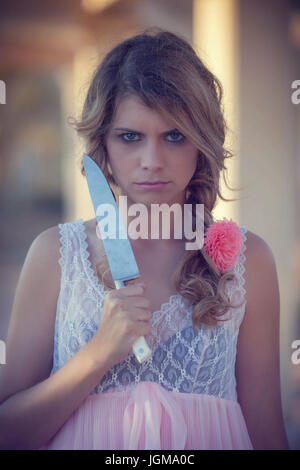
183 397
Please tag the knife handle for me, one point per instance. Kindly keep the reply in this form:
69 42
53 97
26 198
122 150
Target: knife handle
140 347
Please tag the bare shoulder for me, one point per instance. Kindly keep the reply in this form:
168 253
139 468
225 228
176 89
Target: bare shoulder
256 245
47 242
262 290
29 343
258 350
45 251
42 257
259 265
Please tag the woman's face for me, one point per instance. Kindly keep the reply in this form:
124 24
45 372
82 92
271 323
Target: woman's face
142 145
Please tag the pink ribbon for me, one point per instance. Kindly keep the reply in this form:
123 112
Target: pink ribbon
144 411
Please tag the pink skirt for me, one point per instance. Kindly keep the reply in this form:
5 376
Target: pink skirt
151 417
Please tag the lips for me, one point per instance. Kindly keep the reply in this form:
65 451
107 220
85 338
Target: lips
153 182
153 186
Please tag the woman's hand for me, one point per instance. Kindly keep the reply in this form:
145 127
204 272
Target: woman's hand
125 317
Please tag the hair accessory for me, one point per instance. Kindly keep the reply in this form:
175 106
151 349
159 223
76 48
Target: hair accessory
223 242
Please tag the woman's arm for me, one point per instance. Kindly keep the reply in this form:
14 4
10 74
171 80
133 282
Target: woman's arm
33 406
258 352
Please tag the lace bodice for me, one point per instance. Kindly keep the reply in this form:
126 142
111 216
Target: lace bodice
183 359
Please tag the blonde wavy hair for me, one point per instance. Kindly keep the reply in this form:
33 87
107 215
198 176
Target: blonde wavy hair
162 69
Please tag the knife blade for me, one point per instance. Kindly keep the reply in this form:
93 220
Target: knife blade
118 249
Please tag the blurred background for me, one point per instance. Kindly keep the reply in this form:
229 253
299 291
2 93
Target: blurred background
48 52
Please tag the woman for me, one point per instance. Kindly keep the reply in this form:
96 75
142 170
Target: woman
152 114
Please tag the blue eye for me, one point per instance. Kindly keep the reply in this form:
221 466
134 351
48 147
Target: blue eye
122 136
126 137
181 137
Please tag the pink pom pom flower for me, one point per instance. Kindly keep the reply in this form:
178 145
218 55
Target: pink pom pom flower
223 242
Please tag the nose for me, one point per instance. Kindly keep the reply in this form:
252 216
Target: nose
152 157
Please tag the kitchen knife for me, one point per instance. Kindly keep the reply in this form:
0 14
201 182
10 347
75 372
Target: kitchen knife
118 249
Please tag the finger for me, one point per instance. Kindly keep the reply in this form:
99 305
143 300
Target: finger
133 289
144 328
137 314
136 281
138 301
145 316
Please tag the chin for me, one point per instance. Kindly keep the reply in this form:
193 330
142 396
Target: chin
149 198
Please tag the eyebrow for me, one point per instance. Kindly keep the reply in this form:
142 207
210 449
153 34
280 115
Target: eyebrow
138 132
